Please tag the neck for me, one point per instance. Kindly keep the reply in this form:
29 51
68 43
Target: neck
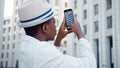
41 37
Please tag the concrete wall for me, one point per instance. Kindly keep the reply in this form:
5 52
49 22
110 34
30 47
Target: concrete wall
116 32
1 22
1 16
103 34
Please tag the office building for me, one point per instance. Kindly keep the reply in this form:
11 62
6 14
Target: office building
1 30
99 20
10 35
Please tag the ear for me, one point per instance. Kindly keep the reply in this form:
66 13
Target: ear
45 28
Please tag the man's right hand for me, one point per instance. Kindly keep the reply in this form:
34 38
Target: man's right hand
77 29
61 33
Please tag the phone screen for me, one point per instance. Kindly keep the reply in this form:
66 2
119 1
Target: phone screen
68 18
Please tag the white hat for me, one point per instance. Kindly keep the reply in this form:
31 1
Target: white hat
34 12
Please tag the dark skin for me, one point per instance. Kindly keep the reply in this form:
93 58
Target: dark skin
48 31
62 33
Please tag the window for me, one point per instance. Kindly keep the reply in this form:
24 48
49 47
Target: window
8 46
17 64
96 9
3 46
96 45
14 28
110 41
15 19
3 38
6 64
4 22
13 54
109 4
96 26
8 37
16 2
9 29
21 1
8 22
1 64
13 45
109 22
75 4
64 52
20 35
16 11
7 55
2 55
85 1
4 30
56 3
48 1
110 51
85 29
66 4
14 37
85 14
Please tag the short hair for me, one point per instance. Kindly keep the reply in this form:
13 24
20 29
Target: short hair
32 31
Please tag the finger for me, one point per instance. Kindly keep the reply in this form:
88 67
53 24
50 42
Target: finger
71 24
75 20
63 24
64 19
67 32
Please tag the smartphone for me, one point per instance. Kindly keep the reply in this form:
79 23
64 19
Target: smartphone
69 18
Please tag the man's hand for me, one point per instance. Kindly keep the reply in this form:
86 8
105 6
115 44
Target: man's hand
77 29
61 34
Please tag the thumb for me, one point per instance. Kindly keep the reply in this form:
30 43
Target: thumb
71 25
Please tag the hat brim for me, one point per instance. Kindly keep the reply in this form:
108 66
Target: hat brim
36 21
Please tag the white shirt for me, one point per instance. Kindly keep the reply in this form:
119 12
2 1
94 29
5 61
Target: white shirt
41 54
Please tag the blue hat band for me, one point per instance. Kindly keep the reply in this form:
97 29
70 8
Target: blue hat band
42 16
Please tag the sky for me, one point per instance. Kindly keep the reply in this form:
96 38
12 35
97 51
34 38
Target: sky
8 10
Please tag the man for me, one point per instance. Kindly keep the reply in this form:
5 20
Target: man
36 17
